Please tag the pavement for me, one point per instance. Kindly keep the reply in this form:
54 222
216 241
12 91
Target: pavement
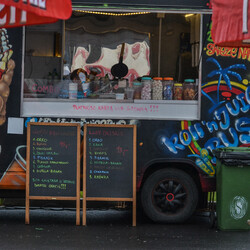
54 228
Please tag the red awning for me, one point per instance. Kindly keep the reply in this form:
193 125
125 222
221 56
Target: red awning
231 23
14 13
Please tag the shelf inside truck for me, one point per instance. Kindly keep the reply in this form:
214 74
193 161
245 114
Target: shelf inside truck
111 108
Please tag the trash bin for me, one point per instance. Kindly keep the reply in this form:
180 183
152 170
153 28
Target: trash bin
233 188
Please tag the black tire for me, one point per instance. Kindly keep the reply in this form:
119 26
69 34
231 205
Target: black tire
169 196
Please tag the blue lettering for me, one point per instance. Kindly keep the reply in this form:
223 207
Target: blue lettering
193 132
199 130
240 126
245 107
247 94
172 143
223 112
213 143
233 111
211 126
225 141
185 137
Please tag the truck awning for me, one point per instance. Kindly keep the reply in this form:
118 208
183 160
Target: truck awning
19 13
142 4
231 23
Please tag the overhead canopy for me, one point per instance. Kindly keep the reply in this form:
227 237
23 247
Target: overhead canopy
230 23
142 4
14 13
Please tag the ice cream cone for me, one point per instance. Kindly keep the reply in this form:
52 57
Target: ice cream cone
7 66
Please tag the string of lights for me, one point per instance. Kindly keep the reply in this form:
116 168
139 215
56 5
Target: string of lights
111 13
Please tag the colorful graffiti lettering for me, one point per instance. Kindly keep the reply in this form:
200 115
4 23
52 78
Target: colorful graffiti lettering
227 123
227 117
212 49
239 53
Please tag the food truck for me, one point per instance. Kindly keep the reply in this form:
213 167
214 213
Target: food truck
152 64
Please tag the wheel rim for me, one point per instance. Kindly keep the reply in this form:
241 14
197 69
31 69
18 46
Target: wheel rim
169 196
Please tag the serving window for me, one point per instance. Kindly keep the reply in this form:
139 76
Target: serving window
115 56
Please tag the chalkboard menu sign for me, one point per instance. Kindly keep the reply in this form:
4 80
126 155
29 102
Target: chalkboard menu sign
110 162
53 165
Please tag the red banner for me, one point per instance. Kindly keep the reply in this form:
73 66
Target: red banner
231 23
14 13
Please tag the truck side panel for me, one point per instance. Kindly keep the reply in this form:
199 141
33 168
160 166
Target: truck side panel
184 144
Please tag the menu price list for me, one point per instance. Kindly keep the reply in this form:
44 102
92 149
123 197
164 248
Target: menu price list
109 162
52 160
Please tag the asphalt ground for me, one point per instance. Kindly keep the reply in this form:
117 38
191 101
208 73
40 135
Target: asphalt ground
54 228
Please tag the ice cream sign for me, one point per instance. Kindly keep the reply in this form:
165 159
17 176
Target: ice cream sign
7 66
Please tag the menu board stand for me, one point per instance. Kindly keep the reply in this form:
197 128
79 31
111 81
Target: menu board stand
109 165
53 164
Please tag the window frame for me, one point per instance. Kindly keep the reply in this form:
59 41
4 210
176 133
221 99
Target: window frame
115 109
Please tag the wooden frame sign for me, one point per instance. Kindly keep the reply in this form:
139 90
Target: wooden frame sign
53 164
109 165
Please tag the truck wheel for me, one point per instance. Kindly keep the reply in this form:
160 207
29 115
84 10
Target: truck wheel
169 196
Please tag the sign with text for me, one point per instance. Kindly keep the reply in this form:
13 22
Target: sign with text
109 162
53 166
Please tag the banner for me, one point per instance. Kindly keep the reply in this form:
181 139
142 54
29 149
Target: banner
14 13
230 23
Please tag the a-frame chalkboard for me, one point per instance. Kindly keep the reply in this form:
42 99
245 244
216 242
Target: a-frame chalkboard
109 166
53 164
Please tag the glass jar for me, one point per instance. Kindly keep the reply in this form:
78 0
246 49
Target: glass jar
129 92
168 84
196 88
178 91
189 89
137 86
147 88
157 88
